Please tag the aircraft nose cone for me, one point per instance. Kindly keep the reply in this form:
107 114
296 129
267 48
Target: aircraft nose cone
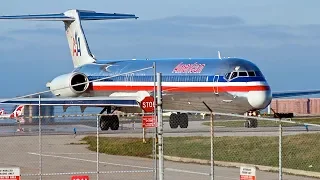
259 99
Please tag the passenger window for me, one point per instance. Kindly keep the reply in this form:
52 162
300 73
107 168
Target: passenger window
251 73
233 75
243 74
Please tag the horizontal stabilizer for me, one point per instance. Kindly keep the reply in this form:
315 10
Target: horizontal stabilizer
83 15
92 15
47 17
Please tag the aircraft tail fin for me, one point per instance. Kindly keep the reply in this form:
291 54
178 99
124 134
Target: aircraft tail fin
78 45
2 112
19 111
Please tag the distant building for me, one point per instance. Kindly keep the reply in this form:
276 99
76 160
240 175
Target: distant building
299 106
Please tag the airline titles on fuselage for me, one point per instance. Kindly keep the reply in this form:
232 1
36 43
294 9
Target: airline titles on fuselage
189 68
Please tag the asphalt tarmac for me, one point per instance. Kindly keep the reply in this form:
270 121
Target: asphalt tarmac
63 155
135 130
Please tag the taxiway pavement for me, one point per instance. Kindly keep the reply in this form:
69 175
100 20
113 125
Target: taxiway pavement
63 155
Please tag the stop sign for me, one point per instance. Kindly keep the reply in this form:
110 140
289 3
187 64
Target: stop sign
147 104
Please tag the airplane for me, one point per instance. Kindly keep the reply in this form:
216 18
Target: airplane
18 112
2 112
230 85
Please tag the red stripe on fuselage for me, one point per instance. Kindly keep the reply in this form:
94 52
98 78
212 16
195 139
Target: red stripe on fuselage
182 89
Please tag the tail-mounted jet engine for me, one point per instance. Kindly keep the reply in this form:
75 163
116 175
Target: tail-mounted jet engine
64 85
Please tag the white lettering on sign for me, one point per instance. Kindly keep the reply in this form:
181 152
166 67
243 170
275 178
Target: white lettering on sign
10 173
247 173
147 104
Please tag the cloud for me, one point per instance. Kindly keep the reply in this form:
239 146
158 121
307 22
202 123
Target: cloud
6 39
286 54
224 31
37 31
198 20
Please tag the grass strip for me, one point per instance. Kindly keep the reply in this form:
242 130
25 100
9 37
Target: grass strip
263 123
299 151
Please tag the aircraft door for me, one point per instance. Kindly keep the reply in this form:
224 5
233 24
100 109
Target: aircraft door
215 82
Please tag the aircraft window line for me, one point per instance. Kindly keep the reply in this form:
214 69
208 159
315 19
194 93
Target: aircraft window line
165 78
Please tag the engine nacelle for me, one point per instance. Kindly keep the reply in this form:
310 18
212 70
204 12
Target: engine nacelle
63 86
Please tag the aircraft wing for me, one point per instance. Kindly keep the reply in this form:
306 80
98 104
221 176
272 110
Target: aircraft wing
119 101
294 93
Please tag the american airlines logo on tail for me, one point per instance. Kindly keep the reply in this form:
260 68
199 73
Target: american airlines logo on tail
76 45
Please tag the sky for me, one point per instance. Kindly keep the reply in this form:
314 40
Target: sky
281 37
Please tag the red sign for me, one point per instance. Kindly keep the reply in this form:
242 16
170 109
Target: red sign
10 173
247 173
147 104
244 177
9 177
149 121
80 178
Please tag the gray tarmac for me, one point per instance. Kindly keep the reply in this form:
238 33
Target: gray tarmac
64 155
135 130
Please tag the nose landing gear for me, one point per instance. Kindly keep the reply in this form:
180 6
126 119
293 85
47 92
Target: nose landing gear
251 122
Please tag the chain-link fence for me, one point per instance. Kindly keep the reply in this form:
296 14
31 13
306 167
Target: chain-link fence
289 151
68 141
64 145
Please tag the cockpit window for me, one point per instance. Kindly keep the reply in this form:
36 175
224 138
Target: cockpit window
243 74
251 73
233 75
228 75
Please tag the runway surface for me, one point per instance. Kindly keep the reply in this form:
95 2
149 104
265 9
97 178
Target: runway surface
135 130
62 154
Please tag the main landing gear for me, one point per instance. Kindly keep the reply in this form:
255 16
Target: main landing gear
251 122
178 119
108 121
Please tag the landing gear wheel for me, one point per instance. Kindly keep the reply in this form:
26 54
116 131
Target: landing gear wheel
246 124
109 121
183 120
174 121
253 123
104 123
114 122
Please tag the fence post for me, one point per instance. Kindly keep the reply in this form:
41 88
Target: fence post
155 136
280 149
160 127
40 140
212 140
98 147
212 145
